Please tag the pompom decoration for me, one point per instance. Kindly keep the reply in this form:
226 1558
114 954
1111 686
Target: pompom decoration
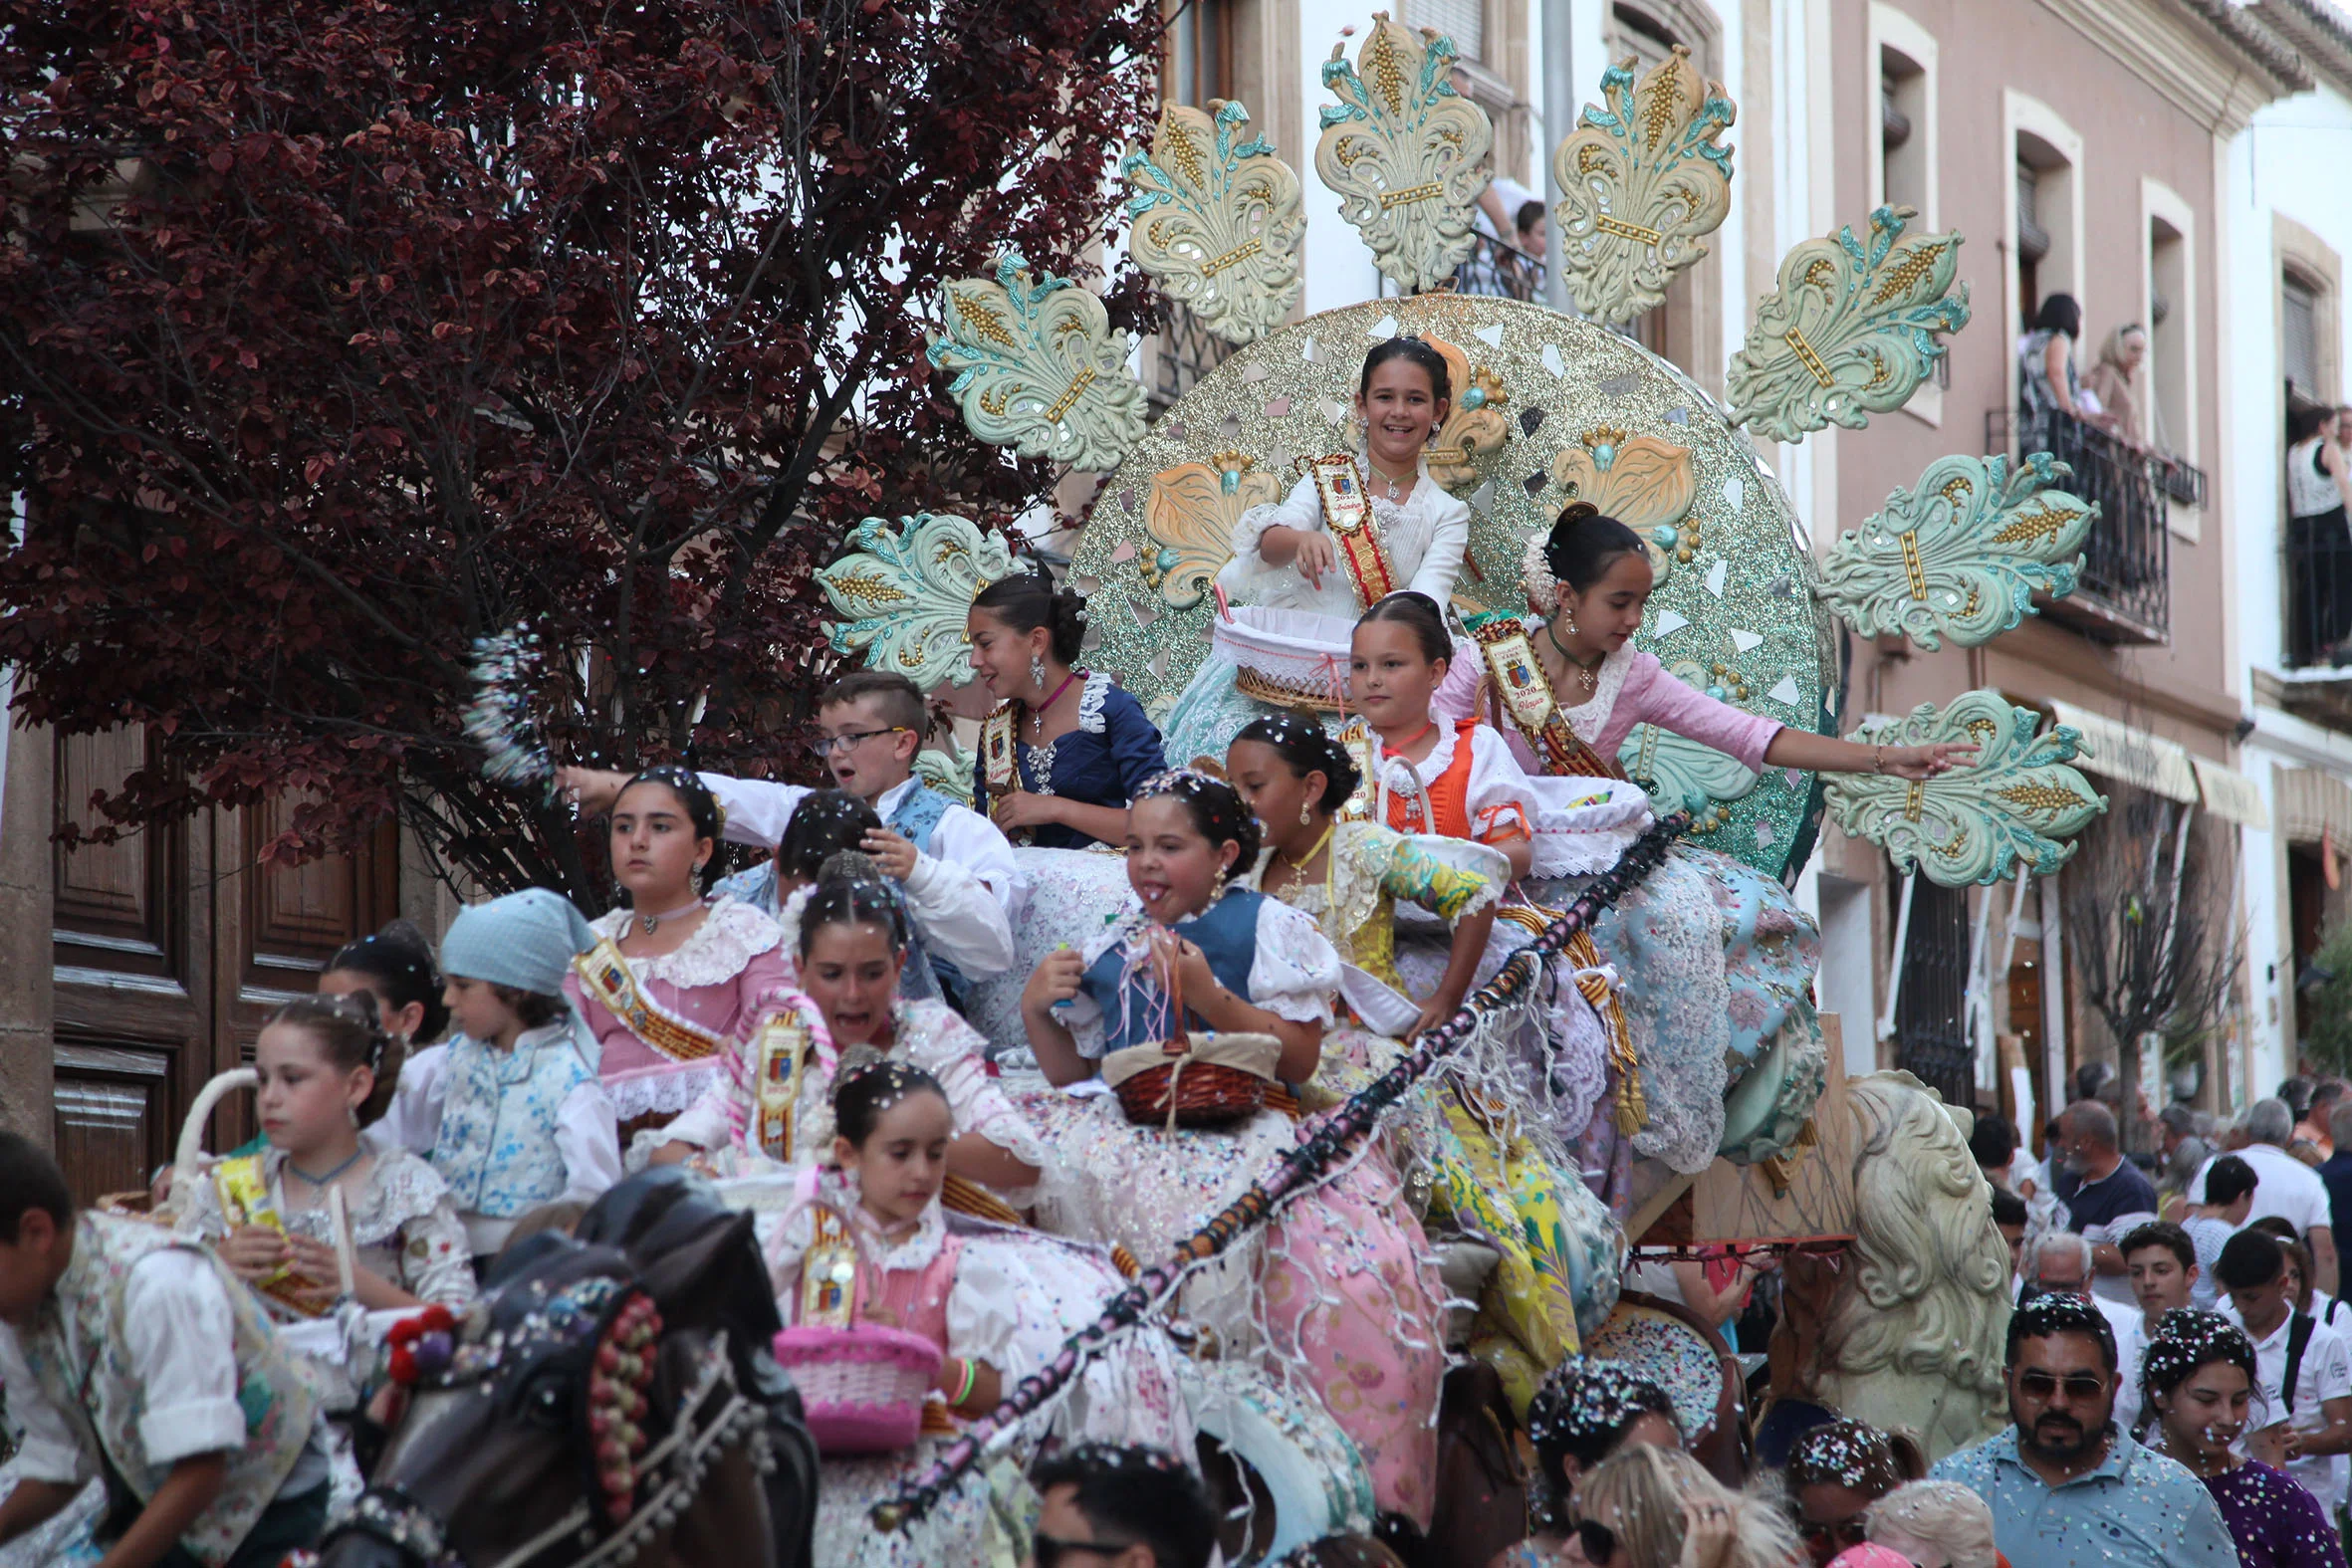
421 1345
619 1384
515 752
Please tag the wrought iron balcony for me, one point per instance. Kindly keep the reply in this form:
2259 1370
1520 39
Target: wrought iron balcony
1497 268
2125 592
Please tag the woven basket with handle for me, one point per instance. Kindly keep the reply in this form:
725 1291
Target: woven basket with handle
862 1386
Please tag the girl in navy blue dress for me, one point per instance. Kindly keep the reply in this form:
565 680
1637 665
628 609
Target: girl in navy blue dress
1065 749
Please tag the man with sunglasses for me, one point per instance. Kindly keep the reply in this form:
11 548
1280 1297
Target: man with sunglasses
962 888
1108 1506
2064 1486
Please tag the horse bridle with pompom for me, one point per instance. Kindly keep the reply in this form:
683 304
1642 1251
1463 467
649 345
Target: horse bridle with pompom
635 1487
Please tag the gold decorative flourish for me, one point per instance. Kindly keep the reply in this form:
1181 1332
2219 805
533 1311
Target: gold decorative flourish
1407 156
1225 228
1643 178
985 321
1806 358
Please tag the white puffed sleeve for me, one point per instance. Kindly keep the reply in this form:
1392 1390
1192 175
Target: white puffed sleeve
1295 970
1247 577
984 1311
1448 542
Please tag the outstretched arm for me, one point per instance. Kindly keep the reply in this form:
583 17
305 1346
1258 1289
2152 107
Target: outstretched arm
1821 754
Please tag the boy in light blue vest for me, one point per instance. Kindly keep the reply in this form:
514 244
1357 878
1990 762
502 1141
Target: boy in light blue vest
129 1354
964 890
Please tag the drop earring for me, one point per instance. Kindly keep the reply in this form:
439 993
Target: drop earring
1305 814
1036 670
1568 616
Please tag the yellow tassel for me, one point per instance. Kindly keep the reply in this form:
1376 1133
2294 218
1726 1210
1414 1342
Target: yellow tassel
1633 1109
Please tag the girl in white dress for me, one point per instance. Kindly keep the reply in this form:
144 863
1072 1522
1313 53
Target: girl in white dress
1293 574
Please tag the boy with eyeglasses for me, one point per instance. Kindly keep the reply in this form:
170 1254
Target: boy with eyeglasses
964 889
2064 1486
1108 1506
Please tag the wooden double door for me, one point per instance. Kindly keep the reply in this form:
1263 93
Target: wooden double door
169 949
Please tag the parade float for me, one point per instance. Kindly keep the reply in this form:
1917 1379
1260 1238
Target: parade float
1896 1301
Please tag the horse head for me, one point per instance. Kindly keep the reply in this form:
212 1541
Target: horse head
609 1400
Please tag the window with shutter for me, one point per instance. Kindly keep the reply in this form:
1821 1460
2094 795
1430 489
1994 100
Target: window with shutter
1463 20
2298 333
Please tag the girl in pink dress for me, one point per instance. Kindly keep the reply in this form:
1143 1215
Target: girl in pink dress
1717 957
676 981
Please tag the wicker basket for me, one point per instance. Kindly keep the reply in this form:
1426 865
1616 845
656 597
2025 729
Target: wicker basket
862 1386
1210 1080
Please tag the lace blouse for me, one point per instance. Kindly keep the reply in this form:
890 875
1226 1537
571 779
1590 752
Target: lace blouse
1100 762
1294 972
928 1034
405 1226
1425 537
725 979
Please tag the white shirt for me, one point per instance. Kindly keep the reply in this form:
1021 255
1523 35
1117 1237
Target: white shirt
964 893
2325 1374
179 1335
2283 1185
2131 1348
414 1120
1422 537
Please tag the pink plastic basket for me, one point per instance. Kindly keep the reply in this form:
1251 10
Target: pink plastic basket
861 1387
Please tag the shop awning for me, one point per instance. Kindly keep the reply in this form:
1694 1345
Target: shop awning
2313 804
2230 794
2133 757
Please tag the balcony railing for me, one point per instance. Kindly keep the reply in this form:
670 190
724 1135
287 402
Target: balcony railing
2318 577
1497 268
2125 592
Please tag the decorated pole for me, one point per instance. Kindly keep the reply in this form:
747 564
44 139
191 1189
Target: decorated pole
1330 1143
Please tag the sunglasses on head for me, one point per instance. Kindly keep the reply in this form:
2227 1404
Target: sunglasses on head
2044 1385
1597 1542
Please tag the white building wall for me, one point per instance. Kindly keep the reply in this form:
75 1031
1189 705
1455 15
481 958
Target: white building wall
2291 160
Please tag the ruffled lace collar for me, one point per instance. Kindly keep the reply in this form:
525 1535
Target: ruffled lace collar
399 1188
1092 696
1407 779
1591 717
729 937
894 1250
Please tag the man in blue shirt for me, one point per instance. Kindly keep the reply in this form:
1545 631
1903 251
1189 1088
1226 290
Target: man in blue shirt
2066 1489
2105 1195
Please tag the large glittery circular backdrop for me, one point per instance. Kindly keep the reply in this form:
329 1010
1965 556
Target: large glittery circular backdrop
1741 613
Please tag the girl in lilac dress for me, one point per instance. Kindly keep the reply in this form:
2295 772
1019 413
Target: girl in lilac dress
676 981
1718 958
2198 1378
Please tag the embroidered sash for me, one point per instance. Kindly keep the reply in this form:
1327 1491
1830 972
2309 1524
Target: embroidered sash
1347 510
606 976
1521 691
918 814
1000 762
779 1048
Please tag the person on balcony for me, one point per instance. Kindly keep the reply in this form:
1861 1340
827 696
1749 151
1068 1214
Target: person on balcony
2318 494
2046 357
2107 396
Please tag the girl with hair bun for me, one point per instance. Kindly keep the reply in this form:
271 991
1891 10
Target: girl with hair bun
1338 1288
851 940
2198 1380
394 965
1717 955
679 980
1065 748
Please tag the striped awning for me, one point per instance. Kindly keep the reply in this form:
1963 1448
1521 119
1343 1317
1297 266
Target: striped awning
2313 804
2232 795
2133 757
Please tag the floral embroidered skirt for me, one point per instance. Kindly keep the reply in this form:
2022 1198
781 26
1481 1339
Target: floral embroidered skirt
1337 1293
